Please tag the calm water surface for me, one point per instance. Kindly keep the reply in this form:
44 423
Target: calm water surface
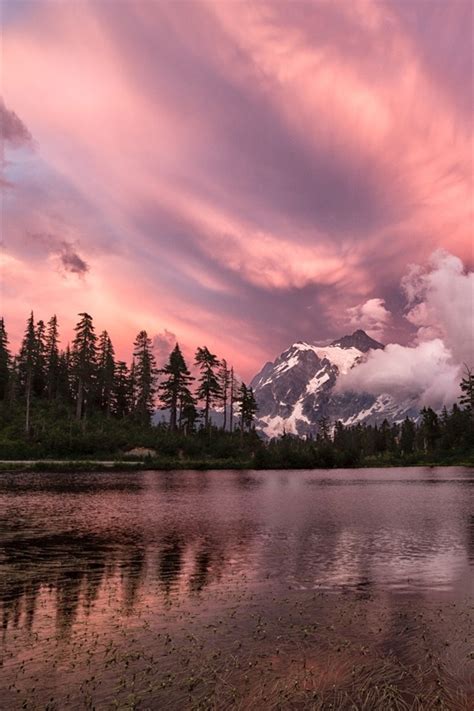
249 590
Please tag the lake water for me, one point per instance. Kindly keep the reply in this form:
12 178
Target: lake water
238 589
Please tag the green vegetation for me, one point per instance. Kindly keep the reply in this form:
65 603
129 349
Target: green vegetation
83 405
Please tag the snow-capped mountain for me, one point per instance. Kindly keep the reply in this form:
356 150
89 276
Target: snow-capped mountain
296 390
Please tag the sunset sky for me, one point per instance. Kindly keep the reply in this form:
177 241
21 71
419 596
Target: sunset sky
235 174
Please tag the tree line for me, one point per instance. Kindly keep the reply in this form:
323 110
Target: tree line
87 375
81 401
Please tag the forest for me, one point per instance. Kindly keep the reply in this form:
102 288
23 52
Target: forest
81 403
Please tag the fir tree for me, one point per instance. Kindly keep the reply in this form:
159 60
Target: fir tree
145 377
14 389
105 373
429 429
467 391
209 389
52 358
121 390
224 382
175 394
84 362
339 437
39 370
233 391
26 366
407 436
64 376
5 362
247 407
324 430
188 414
132 387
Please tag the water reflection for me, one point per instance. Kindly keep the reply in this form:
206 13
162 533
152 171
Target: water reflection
197 525
359 554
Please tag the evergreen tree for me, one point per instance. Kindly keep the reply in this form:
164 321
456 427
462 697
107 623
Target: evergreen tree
324 430
339 437
145 377
209 389
39 368
14 389
5 362
224 382
64 381
188 414
233 390
121 390
251 408
132 387
407 436
105 373
247 407
467 391
52 358
429 429
84 362
174 391
26 366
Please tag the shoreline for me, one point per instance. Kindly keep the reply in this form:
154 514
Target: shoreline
100 465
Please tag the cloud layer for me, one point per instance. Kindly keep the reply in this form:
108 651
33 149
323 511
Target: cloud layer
441 304
239 174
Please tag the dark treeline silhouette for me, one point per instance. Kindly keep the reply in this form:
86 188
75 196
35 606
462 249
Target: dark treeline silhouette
82 401
75 565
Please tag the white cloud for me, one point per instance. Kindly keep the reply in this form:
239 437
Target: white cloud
371 316
440 302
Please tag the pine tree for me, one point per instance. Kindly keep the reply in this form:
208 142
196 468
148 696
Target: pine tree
251 408
224 382
209 390
5 362
339 437
39 370
407 436
188 414
14 389
324 430
84 362
105 373
52 358
467 390
233 391
429 429
145 377
247 407
64 380
121 390
26 366
132 387
175 394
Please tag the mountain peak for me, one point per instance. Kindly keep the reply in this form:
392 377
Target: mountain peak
360 340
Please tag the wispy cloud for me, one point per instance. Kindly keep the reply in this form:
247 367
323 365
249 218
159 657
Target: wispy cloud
245 173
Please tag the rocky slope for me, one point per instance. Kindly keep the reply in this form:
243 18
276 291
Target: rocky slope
297 389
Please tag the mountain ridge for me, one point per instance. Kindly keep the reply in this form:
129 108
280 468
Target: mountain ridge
297 389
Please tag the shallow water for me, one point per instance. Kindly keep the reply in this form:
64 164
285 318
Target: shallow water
238 589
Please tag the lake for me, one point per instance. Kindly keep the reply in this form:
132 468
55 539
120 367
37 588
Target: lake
238 589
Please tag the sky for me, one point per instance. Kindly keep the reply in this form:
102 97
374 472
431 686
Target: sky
233 174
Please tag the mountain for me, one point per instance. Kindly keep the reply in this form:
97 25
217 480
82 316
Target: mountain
296 390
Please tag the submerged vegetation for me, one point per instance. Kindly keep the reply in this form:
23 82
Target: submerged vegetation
83 404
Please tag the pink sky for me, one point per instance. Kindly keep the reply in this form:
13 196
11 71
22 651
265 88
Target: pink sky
240 175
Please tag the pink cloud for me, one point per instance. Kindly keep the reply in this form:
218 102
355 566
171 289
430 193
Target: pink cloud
241 179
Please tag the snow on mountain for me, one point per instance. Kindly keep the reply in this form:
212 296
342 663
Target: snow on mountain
297 389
